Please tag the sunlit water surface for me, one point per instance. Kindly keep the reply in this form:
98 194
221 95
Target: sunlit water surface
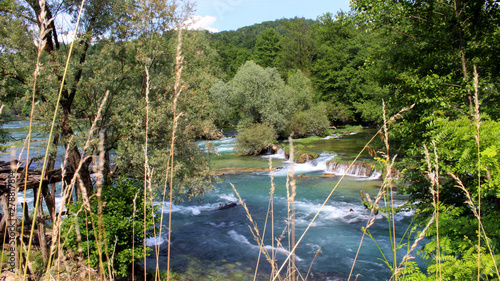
207 237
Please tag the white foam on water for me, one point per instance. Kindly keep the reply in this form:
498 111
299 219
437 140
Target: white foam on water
243 240
228 197
315 165
222 145
222 224
341 211
194 210
280 154
152 241
374 176
332 137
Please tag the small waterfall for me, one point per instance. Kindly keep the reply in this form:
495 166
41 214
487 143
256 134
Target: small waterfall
280 154
315 165
375 175
357 170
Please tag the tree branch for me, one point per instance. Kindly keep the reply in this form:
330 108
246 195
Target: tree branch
18 14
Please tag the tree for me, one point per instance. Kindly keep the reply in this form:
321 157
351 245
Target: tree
255 139
259 95
267 48
303 90
344 68
116 43
313 121
231 58
298 48
435 45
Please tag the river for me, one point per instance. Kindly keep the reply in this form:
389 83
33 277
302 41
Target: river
219 240
214 243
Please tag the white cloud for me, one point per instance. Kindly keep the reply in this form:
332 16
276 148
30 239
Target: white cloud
199 22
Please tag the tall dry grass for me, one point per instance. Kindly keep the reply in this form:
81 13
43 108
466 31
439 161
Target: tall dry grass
292 273
57 245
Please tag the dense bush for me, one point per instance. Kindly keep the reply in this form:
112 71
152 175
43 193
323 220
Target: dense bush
255 138
310 122
339 112
121 226
260 95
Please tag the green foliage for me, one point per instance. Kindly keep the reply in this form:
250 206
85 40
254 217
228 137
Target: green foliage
309 122
338 112
257 95
122 227
419 68
411 272
457 152
255 139
298 48
343 71
434 48
267 48
303 90
231 57
246 37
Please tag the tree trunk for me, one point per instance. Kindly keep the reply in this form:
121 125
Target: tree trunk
74 159
40 221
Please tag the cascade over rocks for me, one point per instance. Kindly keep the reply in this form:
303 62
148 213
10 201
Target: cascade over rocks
358 169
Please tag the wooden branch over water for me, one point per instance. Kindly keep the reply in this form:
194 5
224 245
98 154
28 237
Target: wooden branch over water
34 176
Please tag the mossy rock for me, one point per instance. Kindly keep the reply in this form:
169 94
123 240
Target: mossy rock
303 157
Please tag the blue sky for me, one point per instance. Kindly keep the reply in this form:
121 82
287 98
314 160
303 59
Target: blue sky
220 15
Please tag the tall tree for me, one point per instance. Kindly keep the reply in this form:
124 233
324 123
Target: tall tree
115 42
298 48
431 59
435 47
267 48
343 70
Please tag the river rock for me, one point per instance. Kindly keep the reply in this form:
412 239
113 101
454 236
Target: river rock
305 157
226 205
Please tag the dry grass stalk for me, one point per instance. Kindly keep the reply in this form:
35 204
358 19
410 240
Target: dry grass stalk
475 211
44 23
179 59
133 234
310 267
270 210
477 122
388 181
291 203
100 223
254 229
271 198
44 30
386 185
68 190
408 257
53 122
433 176
146 164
